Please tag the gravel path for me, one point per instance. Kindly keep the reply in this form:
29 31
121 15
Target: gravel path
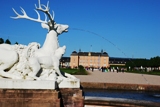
114 77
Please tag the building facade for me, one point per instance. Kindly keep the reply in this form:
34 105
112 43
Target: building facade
92 59
118 61
65 62
89 59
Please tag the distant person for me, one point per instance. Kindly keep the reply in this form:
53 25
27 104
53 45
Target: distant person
117 69
92 69
122 69
109 69
106 70
102 68
99 68
87 68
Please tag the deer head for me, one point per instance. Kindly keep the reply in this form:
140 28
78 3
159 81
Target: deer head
60 51
50 24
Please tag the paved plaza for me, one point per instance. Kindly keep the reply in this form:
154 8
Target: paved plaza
114 77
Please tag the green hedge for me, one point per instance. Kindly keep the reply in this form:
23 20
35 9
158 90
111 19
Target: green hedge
79 71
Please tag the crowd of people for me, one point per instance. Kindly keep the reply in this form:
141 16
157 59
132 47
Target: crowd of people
109 69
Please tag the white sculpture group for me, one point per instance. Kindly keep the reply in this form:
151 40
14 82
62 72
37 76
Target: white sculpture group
24 62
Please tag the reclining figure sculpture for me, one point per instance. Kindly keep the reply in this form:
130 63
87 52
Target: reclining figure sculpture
24 62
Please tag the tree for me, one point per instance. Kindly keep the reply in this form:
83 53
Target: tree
81 68
1 41
7 41
16 43
155 61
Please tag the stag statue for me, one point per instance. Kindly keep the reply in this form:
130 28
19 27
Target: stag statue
51 42
33 58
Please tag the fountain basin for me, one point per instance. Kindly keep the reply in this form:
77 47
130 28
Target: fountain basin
118 102
120 86
124 95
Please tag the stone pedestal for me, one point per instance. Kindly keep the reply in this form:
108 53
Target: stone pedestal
29 98
23 93
41 98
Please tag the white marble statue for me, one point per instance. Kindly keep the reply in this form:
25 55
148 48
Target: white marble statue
25 62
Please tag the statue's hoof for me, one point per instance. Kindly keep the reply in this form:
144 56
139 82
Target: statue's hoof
38 79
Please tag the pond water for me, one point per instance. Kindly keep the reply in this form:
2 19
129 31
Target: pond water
123 94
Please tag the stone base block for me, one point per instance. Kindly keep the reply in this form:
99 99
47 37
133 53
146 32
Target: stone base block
65 97
25 93
29 98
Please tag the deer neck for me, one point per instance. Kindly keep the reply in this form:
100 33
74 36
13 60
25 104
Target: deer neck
51 42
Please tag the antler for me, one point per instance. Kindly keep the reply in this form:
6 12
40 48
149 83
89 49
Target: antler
46 10
42 8
25 16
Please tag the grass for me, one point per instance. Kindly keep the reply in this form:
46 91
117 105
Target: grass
74 71
144 72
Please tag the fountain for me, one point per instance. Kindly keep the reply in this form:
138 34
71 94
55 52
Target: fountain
102 94
30 75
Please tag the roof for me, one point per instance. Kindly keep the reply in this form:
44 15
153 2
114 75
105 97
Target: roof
74 53
91 53
65 59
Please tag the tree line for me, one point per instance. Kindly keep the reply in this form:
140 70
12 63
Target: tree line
7 41
152 62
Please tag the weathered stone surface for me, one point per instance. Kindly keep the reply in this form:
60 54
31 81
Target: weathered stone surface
29 98
120 86
65 97
70 83
27 84
72 97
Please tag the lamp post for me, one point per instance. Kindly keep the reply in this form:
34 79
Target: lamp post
78 59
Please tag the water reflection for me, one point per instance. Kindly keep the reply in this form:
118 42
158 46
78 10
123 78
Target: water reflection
123 94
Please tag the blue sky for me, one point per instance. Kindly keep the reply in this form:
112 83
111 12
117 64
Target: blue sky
123 28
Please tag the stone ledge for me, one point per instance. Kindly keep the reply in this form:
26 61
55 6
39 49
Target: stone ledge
95 101
116 86
26 84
